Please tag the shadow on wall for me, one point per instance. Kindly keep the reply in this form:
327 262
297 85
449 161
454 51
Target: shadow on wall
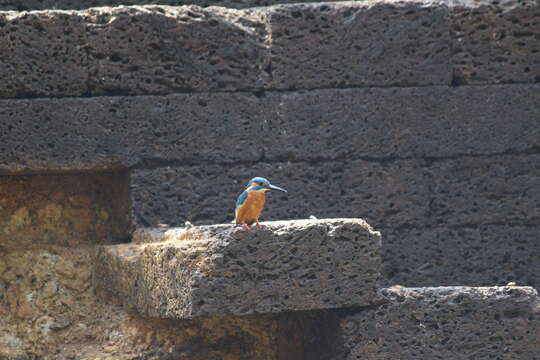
66 209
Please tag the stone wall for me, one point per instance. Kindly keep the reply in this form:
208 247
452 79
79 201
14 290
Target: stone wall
421 117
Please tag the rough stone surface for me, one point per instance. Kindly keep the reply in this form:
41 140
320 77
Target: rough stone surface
151 50
500 189
49 310
64 209
387 194
402 122
157 131
495 41
104 132
42 54
483 255
224 269
21 5
359 43
446 323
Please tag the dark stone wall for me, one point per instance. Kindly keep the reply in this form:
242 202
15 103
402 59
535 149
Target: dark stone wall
421 118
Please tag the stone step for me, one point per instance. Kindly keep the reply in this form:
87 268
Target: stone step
162 50
226 270
451 323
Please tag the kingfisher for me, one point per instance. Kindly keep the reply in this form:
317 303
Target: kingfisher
250 203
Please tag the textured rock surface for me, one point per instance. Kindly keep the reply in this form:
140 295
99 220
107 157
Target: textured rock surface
484 255
83 4
160 49
498 189
156 131
359 43
402 122
150 50
103 132
495 41
447 323
49 310
42 54
395 193
223 269
64 209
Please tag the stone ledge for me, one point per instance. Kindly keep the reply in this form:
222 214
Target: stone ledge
223 269
450 323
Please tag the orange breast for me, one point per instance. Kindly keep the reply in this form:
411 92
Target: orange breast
251 209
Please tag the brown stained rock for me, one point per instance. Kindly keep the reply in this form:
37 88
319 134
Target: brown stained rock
64 209
446 323
343 44
223 269
43 54
495 41
151 50
51 313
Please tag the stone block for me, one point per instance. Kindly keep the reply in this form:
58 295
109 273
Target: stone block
479 255
486 190
379 123
495 41
160 50
43 54
64 209
450 323
341 44
102 132
224 269
385 194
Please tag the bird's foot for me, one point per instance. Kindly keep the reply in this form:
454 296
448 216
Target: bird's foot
259 226
246 226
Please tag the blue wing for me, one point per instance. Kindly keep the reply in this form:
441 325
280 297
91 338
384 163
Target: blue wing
242 198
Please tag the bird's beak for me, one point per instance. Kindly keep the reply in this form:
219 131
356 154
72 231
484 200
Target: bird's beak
273 187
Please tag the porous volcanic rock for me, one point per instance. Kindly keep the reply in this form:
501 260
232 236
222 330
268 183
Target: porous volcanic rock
451 323
43 54
224 269
160 49
378 43
495 41
480 255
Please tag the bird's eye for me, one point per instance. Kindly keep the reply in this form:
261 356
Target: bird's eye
266 185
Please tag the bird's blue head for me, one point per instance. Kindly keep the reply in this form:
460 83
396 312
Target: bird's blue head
262 184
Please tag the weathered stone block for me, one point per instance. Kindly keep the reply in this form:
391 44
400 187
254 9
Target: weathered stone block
495 41
447 323
486 190
402 122
223 269
339 44
64 209
479 255
386 194
103 132
159 50
42 54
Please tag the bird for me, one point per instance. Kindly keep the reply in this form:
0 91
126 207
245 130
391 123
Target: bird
251 201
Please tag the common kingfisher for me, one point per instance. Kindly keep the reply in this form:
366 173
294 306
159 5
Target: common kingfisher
250 203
